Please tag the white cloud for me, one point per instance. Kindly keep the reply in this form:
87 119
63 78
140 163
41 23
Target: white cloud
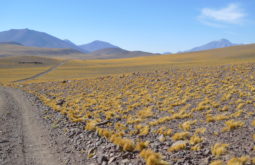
231 14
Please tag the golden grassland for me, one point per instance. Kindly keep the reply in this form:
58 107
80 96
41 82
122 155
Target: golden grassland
13 74
11 69
187 102
199 107
79 69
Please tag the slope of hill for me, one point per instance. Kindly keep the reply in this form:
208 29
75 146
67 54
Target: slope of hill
97 45
10 43
34 38
18 50
21 67
27 61
213 45
94 68
110 53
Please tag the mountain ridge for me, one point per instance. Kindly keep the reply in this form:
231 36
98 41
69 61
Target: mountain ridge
110 53
222 43
97 45
34 38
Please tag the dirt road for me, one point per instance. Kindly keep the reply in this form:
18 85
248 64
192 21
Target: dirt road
23 140
42 73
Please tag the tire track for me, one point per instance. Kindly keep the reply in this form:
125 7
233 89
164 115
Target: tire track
23 139
42 73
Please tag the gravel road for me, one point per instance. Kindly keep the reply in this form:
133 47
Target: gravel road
23 139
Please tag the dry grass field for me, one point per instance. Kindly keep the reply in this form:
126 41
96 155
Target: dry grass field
16 68
203 114
79 69
195 108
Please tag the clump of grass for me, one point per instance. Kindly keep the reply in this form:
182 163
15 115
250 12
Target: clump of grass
219 149
144 130
217 162
231 124
225 108
177 147
240 106
239 160
200 130
253 123
164 131
196 147
91 125
124 143
211 118
195 139
181 136
186 126
141 145
104 132
128 145
152 158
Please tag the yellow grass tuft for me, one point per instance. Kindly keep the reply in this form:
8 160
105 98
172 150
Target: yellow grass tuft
217 162
195 139
144 130
152 158
253 123
200 130
186 126
231 124
219 149
141 145
196 147
178 147
239 160
181 136
91 125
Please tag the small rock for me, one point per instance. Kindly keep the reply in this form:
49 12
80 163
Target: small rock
206 152
124 161
161 138
112 159
104 163
60 102
91 150
102 158
179 142
205 161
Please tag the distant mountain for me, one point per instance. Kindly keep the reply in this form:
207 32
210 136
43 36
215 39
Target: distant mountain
34 38
165 53
11 43
97 45
213 45
110 53
12 49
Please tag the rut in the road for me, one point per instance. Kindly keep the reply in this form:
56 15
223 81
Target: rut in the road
23 140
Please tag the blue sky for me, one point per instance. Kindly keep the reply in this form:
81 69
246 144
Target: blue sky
148 25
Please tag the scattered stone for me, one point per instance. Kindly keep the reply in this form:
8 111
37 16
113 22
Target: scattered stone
60 102
179 142
124 162
101 159
112 159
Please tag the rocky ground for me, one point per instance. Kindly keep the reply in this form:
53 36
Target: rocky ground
78 145
39 135
142 107
211 107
